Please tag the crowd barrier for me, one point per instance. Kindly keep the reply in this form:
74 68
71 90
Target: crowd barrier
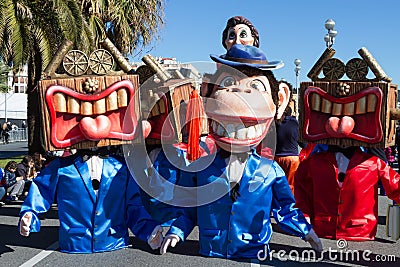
18 135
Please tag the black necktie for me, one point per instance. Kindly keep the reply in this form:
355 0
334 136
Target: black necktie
95 184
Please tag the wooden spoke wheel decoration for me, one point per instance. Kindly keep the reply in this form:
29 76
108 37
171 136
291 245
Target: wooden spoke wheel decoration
356 69
101 61
144 72
333 69
75 63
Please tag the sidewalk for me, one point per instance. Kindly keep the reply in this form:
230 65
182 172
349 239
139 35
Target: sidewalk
13 149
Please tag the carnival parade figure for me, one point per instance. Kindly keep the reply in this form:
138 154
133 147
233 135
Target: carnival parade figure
98 199
236 190
337 188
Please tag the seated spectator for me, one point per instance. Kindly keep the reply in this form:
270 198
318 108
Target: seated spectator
2 193
24 169
39 160
14 184
2 186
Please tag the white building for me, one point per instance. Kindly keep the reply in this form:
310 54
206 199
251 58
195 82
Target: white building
172 66
14 103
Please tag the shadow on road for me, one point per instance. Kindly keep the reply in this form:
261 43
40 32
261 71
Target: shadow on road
10 237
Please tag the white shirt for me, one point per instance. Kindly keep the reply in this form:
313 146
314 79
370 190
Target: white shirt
95 165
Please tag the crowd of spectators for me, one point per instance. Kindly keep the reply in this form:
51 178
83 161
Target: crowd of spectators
16 178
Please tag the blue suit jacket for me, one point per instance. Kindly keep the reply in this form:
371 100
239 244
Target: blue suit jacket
242 228
159 193
89 223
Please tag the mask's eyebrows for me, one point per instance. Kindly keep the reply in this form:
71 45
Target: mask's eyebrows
224 71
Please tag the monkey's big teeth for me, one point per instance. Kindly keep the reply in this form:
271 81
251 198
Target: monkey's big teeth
259 129
230 131
239 131
251 132
220 130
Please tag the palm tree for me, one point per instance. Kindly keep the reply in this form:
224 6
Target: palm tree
4 71
32 30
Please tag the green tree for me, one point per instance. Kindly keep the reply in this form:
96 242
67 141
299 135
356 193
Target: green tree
4 70
32 30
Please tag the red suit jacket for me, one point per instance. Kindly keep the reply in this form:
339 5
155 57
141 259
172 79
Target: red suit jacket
349 212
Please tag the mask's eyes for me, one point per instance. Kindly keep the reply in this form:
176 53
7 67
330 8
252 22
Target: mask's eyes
243 34
231 35
227 81
258 85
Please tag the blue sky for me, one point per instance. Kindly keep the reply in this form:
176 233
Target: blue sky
288 30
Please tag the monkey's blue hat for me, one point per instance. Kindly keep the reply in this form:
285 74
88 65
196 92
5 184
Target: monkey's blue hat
247 55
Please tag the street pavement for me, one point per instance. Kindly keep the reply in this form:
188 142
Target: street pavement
41 249
13 149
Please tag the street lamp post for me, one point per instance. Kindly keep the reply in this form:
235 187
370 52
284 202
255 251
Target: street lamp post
297 71
10 86
296 91
330 36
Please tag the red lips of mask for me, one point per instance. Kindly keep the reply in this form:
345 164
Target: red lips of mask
69 128
356 117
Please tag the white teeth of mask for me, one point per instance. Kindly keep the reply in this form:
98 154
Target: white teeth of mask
230 128
239 132
220 130
251 132
259 129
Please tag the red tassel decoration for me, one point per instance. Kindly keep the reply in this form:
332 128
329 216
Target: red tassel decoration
194 120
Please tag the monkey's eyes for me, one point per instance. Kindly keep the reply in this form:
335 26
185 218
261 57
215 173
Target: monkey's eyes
243 34
258 85
227 81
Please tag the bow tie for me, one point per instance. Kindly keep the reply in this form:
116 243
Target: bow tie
347 151
87 153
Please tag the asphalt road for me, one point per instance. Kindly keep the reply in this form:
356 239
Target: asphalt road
13 149
40 249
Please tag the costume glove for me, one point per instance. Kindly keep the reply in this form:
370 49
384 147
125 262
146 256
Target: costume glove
169 240
156 238
314 241
25 224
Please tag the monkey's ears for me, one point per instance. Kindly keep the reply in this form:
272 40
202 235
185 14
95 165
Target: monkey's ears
284 97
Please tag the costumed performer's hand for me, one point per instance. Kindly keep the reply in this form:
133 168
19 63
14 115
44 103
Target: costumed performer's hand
314 241
169 240
156 238
25 224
